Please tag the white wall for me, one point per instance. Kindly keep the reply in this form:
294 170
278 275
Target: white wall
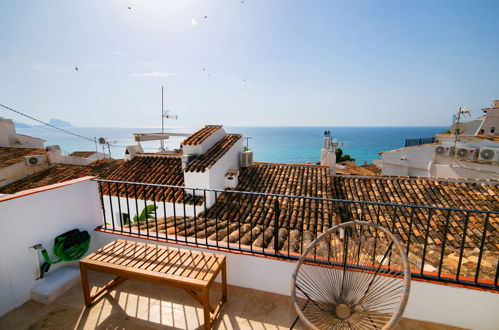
421 161
119 205
203 147
30 141
452 305
214 177
39 218
230 161
9 137
438 303
19 171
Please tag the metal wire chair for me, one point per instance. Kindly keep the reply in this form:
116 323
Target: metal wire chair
354 276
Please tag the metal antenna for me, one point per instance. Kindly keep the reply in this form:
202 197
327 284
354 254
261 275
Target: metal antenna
162 147
247 141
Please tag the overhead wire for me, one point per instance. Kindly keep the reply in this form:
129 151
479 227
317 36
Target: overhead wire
57 128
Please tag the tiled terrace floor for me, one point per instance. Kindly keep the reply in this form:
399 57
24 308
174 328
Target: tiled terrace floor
136 305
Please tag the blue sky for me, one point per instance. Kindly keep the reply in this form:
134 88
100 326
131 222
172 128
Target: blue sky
261 62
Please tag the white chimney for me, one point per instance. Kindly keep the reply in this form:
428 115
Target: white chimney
328 153
231 179
131 151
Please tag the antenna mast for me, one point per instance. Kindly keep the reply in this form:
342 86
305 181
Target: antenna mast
162 147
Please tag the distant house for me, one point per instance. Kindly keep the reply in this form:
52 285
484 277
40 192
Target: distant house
10 138
471 151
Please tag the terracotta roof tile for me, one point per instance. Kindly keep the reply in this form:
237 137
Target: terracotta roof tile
154 169
150 169
251 218
83 154
201 135
11 155
60 173
210 157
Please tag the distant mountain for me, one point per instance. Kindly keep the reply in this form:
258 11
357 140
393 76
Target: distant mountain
60 123
21 125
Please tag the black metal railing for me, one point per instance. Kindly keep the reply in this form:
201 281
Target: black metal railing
443 244
417 142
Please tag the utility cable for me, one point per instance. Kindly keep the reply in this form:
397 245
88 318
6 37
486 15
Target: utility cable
58 128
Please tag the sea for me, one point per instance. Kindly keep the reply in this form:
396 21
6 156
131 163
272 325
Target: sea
296 145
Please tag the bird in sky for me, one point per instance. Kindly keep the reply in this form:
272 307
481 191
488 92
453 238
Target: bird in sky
129 7
206 17
76 68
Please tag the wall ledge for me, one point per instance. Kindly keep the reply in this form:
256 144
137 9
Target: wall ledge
44 188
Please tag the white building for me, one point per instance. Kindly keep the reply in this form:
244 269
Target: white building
10 138
472 153
210 156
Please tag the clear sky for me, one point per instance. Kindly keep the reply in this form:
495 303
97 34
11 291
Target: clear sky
256 62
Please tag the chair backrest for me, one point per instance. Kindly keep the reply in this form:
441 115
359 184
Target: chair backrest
355 275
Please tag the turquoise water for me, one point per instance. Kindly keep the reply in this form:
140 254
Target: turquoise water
270 144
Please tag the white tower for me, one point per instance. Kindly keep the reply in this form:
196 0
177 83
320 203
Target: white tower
328 152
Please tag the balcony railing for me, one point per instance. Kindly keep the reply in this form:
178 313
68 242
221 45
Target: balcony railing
449 245
419 141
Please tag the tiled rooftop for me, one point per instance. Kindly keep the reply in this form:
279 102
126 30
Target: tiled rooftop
12 155
155 169
83 154
60 173
469 194
210 157
201 135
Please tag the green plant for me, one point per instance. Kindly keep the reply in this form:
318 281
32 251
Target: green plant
147 213
246 148
447 132
340 157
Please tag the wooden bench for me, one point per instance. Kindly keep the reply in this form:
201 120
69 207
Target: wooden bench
192 271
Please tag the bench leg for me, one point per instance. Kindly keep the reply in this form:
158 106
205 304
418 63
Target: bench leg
85 286
224 281
206 308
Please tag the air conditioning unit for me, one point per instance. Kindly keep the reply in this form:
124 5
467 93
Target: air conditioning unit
489 155
467 153
247 158
444 150
34 160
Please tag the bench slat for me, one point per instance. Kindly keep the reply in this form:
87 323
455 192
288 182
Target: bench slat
157 262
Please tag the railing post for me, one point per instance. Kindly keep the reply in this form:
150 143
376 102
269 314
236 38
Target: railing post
276 225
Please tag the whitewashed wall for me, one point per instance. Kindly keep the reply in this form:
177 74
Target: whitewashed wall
209 142
39 218
438 303
421 161
115 205
18 171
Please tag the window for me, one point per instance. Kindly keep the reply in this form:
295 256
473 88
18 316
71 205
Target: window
492 130
125 217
